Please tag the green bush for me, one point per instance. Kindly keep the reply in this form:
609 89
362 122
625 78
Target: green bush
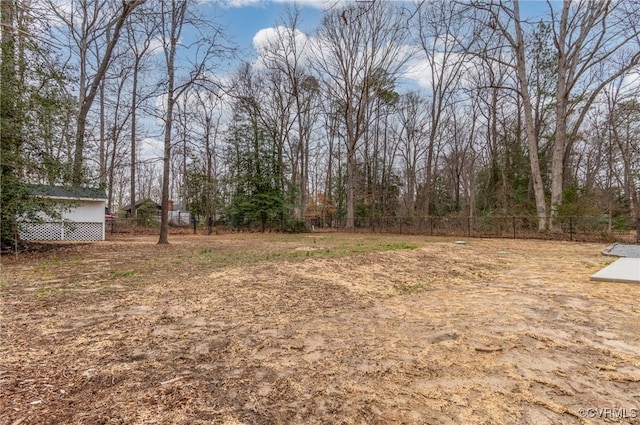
145 213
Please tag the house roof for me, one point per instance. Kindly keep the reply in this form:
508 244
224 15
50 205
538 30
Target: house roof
59 192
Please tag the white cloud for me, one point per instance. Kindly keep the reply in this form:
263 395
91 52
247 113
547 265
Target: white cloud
419 68
631 81
263 38
239 3
317 4
199 103
419 72
150 148
277 39
274 43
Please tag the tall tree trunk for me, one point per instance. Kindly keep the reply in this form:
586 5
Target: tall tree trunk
560 140
532 141
209 176
166 163
351 183
428 180
176 16
516 41
134 147
103 139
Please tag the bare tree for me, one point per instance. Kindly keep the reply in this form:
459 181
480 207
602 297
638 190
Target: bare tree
138 26
444 33
173 17
624 124
588 37
295 93
172 21
507 24
209 115
112 148
354 45
412 130
380 148
458 157
91 22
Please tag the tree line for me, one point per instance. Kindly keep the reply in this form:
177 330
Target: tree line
386 109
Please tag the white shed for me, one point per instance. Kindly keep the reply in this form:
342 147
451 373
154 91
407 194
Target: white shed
82 210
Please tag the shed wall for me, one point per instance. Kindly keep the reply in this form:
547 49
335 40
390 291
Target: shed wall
86 223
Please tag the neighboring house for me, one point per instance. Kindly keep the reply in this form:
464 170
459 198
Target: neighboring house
156 206
82 210
178 214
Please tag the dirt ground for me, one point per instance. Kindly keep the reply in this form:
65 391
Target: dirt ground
317 329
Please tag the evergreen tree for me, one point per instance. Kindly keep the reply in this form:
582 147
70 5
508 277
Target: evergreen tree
12 192
34 114
255 171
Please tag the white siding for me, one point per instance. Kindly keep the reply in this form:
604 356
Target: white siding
87 224
86 212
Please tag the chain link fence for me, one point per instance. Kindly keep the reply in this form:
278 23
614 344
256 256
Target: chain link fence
573 228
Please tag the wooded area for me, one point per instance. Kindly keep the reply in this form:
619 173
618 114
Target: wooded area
389 110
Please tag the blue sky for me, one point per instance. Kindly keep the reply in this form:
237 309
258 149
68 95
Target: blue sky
244 18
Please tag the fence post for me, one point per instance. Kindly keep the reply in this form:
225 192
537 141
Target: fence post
514 226
570 228
468 227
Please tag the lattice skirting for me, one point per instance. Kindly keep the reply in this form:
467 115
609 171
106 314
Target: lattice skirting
52 231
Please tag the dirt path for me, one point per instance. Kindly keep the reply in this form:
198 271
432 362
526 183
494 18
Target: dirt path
494 331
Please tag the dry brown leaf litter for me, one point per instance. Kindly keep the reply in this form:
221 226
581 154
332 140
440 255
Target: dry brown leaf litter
123 332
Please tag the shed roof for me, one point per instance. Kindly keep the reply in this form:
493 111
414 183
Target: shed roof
76 193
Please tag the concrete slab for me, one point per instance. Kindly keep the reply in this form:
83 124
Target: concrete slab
623 250
622 270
